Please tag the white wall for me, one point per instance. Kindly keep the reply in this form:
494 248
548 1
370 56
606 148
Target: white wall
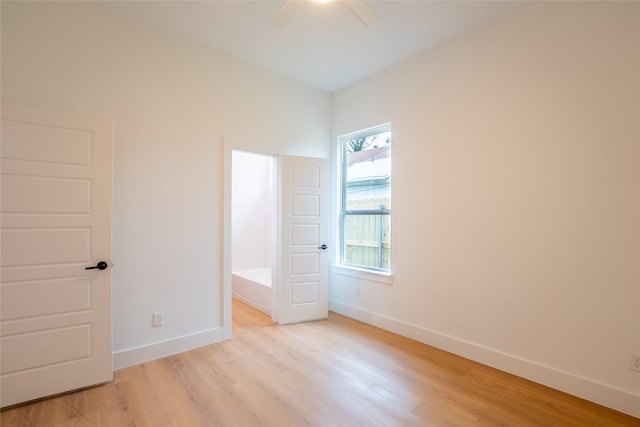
253 210
516 197
173 103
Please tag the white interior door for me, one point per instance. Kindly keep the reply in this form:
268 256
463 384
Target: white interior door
304 260
55 318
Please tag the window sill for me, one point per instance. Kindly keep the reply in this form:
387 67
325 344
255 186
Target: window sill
360 273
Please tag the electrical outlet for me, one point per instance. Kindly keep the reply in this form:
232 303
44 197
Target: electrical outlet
635 362
157 319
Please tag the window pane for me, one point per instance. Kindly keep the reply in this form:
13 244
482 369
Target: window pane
366 199
368 172
367 240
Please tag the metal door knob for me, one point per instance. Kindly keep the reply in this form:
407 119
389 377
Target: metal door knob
323 247
102 265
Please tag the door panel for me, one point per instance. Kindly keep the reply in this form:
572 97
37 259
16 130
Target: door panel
43 297
304 264
303 205
25 247
305 234
55 325
30 194
37 349
303 292
43 142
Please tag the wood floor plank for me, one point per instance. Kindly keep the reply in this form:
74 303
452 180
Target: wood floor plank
335 372
87 420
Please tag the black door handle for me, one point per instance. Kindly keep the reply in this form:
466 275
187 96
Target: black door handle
323 247
100 266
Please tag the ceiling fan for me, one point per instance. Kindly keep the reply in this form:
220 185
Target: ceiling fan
359 8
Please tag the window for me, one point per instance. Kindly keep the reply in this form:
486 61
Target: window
365 231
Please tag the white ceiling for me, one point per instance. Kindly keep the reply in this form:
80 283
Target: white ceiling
323 45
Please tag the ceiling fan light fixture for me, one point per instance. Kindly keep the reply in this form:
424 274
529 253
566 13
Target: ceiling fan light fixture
358 8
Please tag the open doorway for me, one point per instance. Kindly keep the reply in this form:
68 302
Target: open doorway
254 217
285 231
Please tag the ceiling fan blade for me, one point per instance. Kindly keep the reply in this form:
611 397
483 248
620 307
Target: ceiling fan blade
362 11
285 13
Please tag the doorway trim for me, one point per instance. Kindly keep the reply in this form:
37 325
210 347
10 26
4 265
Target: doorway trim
226 241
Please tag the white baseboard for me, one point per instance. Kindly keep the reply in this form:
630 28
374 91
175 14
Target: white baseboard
599 393
263 308
135 356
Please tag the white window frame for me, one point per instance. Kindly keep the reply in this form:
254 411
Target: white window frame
353 270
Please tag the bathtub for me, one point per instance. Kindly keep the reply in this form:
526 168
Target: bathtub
253 287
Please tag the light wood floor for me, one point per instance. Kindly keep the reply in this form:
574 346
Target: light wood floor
337 372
